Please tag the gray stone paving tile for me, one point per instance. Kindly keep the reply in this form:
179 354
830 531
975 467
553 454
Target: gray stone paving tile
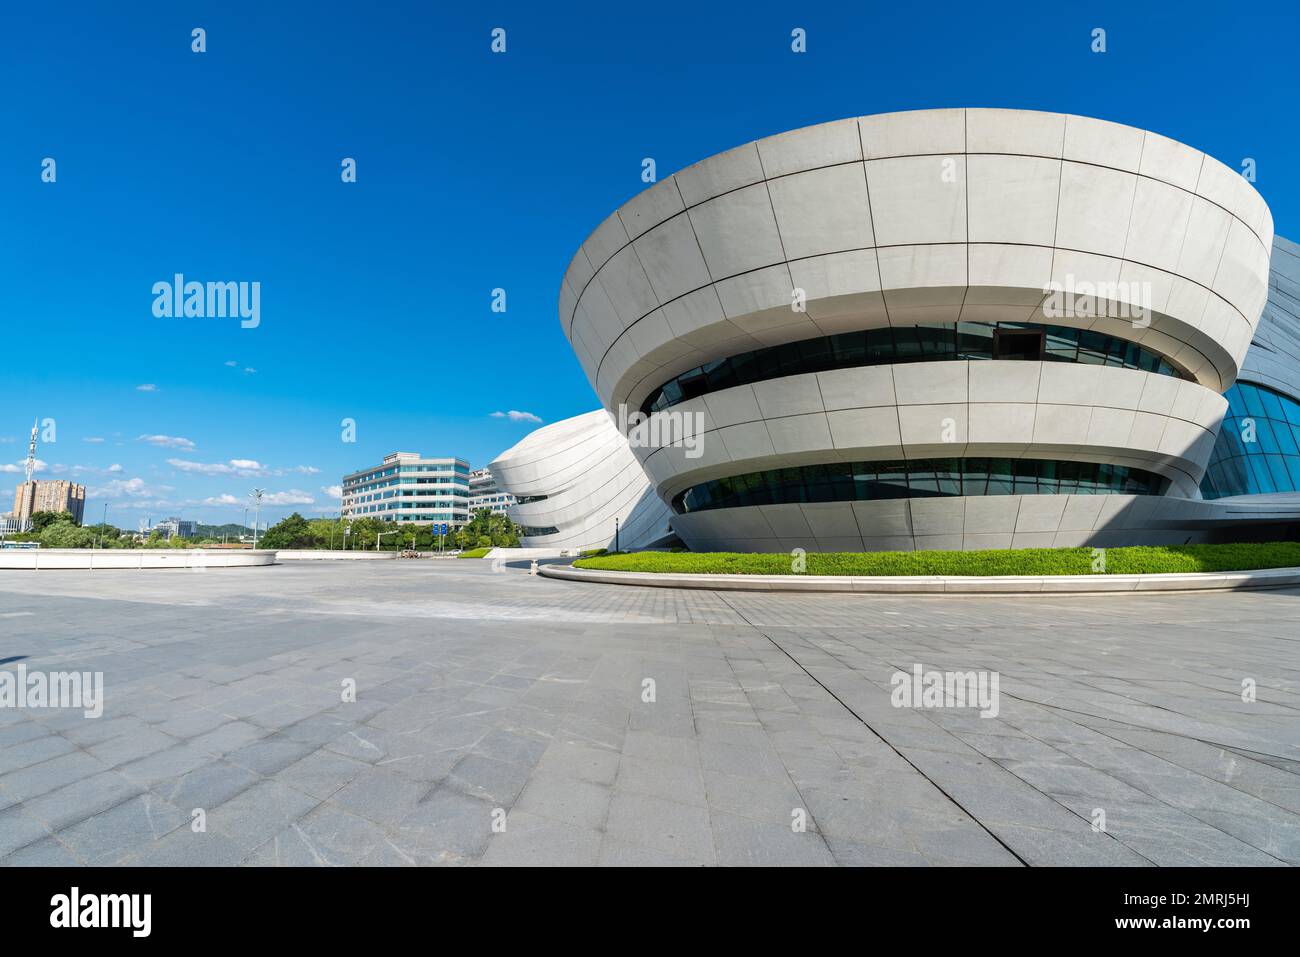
378 795
446 828
228 737
269 755
855 854
184 847
582 761
1076 847
772 801
37 779
123 830
327 837
520 747
1170 837
259 813
206 786
124 748
81 799
19 733
531 841
498 782
46 852
745 842
616 853
37 749
566 800
18 829
669 826
321 773
673 782
162 765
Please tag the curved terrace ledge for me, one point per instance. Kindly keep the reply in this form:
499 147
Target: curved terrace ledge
941 584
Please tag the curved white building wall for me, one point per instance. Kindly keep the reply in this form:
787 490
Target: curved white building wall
929 217
576 477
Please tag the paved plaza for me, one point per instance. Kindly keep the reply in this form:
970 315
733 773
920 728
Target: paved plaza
500 718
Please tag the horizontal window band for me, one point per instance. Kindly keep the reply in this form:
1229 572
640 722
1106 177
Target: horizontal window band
895 345
916 478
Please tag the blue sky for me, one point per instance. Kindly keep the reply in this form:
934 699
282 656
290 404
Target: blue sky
475 171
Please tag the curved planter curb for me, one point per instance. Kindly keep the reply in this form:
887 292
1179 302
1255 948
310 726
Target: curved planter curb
941 584
113 559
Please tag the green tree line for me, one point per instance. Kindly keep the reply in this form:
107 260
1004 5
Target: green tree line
484 530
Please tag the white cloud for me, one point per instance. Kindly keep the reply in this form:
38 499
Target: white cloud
333 491
516 416
243 467
232 363
248 370
21 466
95 439
294 496
168 442
133 488
146 387
306 469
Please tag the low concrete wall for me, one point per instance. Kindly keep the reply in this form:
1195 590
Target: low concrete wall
326 555
138 558
941 584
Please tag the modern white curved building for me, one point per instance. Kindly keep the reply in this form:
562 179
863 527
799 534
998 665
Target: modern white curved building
573 480
961 328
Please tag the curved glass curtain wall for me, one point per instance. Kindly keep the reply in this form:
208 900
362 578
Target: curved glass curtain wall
893 345
1258 448
918 478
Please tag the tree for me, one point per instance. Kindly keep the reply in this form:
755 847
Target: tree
291 532
66 535
43 520
497 529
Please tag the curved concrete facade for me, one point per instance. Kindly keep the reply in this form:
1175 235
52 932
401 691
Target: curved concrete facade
1274 356
931 218
572 479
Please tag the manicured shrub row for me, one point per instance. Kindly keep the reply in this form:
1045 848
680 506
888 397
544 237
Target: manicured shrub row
474 553
1138 559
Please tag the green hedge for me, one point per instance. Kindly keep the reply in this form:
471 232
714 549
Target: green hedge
474 553
1140 559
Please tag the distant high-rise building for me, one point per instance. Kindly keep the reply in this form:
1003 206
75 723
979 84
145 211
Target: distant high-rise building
175 527
49 495
484 493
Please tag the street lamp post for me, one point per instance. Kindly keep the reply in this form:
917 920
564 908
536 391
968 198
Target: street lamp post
257 512
102 523
616 533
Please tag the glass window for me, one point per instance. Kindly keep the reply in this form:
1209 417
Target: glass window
1269 464
933 342
866 481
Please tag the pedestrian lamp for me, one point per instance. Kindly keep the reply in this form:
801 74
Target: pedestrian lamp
616 533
